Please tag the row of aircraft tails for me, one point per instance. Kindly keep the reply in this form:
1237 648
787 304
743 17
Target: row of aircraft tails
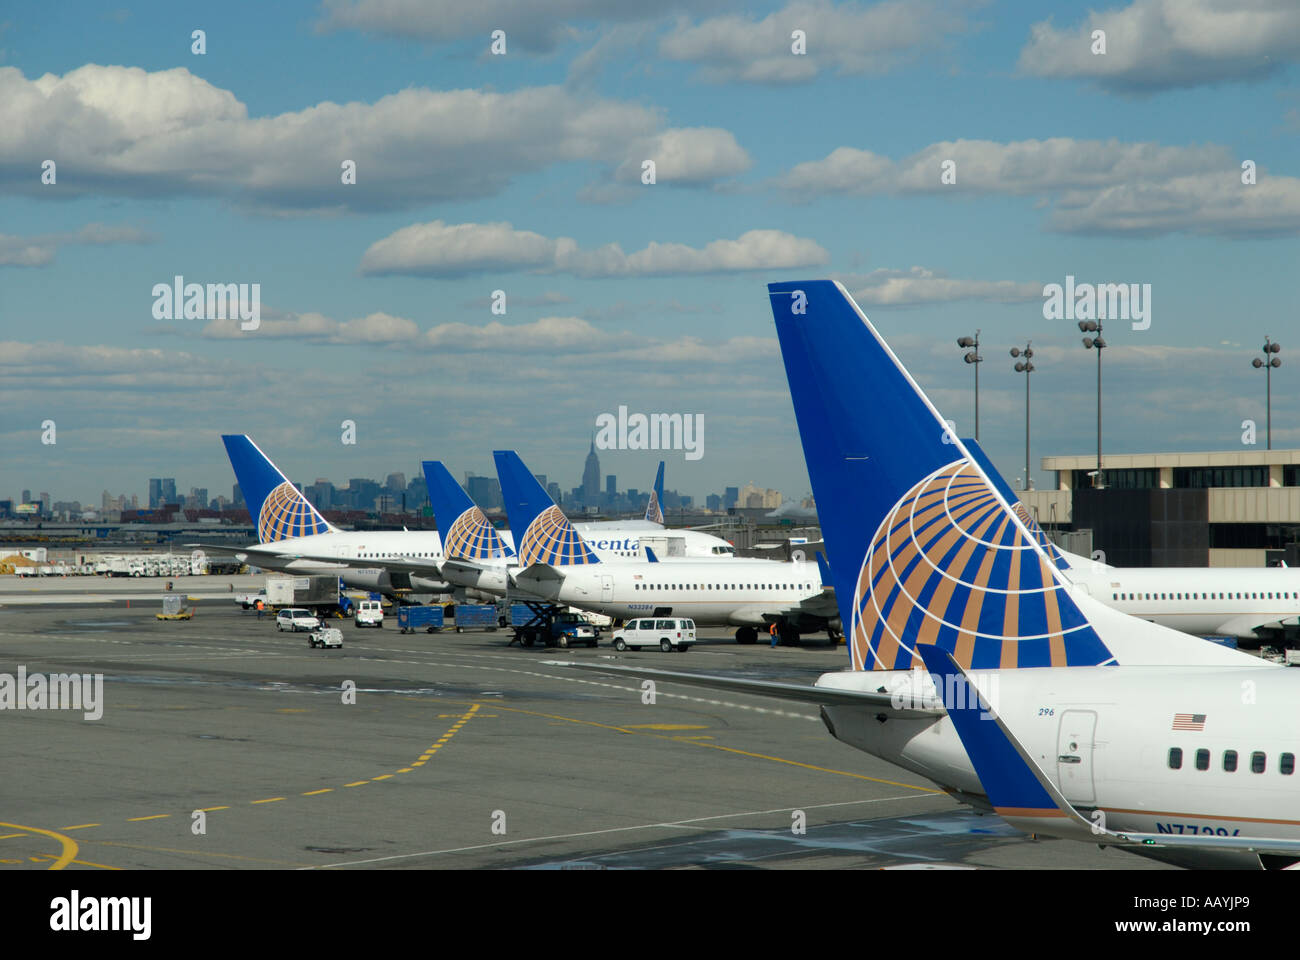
620 568
1072 698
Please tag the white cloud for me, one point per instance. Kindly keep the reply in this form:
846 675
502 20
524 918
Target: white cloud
377 329
537 25
1091 186
691 156
127 131
844 170
38 251
899 288
440 249
848 38
1154 45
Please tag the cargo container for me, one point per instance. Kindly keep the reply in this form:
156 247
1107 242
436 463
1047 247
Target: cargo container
411 618
476 616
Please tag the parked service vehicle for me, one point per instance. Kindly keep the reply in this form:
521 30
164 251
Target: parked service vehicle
325 637
249 600
666 633
295 619
370 613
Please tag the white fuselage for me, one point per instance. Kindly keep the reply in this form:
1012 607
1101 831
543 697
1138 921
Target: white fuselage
741 592
1203 601
1105 737
607 539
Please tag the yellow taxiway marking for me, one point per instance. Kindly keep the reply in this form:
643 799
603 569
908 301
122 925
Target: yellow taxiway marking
666 726
403 770
359 783
156 816
718 746
382 776
312 793
10 836
81 826
269 800
69 846
210 809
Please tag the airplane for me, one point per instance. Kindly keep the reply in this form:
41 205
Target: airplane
294 538
1246 603
1086 723
556 564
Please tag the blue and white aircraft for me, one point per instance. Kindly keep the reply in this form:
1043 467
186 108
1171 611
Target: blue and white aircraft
1088 724
555 563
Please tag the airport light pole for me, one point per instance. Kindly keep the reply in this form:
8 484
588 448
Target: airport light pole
1269 361
1025 367
972 345
1098 344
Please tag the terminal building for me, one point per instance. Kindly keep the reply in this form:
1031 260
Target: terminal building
1218 509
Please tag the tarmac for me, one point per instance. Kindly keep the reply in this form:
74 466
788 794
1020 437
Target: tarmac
225 744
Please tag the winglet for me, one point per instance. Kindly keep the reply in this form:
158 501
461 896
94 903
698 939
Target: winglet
1016 786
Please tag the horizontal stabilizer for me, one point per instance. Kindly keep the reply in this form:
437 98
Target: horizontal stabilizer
877 701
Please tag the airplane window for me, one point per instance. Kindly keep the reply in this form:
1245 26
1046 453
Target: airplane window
1230 761
1287 764
1202 759
1114 596
1175 758
1257 762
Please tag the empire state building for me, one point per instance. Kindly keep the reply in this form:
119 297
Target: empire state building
591 478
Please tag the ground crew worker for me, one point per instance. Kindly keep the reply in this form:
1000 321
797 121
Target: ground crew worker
775 635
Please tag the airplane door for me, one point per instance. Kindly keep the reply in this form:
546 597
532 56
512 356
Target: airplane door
1074 742
606 588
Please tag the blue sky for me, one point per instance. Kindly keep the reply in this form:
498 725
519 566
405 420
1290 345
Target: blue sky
1114 168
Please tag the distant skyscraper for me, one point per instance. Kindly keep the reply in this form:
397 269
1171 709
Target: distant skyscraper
236 496
591 476
27 496
611 487
396 482
730 497
484 491
155 492
168 489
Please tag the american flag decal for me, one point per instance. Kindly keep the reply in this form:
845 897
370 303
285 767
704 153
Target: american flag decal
1189 721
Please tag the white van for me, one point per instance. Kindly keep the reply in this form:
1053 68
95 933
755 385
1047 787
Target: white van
369 614
666 633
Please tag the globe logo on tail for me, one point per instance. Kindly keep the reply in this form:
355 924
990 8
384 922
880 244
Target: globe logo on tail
653 511
949 565
471 537
286 513
551 539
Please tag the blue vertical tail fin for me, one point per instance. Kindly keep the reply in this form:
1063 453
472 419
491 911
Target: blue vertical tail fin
541 531
654 511
466 532
1017 505
277 507
922 547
